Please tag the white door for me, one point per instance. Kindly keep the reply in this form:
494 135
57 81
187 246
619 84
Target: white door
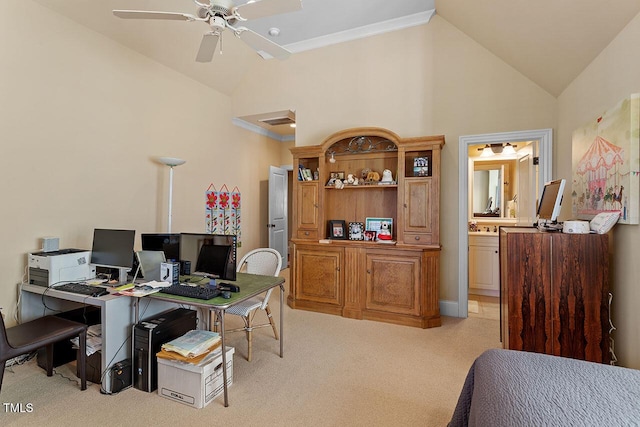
278 234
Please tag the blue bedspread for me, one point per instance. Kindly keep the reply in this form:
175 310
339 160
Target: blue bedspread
513 388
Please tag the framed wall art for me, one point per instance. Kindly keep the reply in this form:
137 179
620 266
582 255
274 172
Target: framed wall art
606 163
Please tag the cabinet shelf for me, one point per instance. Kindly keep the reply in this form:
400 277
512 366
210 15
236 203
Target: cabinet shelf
361 187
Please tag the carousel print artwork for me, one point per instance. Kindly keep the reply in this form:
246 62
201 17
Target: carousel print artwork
606 163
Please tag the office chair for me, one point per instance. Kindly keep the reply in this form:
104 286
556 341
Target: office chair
266 262
38 333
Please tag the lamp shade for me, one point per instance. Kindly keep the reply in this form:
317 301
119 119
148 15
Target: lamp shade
171 161
487 151
508 150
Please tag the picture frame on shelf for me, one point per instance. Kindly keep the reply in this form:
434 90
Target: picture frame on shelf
337 229
336 175
383 228
420 166
356 231
369 236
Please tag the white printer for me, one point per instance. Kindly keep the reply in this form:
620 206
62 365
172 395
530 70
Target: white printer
64 265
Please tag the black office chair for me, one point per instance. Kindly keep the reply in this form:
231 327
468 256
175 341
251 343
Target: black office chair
39 333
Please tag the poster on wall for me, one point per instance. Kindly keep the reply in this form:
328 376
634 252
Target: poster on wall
606 163
222 211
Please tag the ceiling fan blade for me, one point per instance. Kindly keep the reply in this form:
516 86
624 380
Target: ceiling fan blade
261 44
148 14
207 47
262 8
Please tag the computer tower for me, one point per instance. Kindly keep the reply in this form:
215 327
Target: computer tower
149 335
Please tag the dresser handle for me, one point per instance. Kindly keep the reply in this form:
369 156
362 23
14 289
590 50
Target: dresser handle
417 237
306 233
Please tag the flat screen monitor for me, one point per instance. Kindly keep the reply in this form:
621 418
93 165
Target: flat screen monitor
113 249
551 201
165 242
210 253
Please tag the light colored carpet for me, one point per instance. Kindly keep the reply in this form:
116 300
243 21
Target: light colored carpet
335 372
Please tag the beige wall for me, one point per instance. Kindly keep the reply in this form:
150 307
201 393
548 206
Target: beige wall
426 80
81 118
610 78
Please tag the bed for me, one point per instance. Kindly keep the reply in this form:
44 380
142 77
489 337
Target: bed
514 388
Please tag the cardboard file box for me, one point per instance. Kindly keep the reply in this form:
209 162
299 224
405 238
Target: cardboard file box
194 385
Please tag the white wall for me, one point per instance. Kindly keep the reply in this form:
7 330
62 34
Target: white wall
81 118
611 77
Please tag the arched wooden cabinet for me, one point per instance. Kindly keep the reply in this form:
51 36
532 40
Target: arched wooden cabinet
396 283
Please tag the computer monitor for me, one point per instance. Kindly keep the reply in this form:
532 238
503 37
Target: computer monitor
210 253
551 201
165 242
113 249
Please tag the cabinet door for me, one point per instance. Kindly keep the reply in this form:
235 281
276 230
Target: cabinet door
318 275
484 271
393 282
526 260
580 296
307 205
418 224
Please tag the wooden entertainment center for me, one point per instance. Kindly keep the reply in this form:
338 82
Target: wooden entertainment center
395 281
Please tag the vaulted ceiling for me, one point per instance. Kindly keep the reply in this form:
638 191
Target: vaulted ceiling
549 41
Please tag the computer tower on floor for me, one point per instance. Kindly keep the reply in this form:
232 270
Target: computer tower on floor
149 335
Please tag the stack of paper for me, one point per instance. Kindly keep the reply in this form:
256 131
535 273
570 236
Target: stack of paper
94 339
192 347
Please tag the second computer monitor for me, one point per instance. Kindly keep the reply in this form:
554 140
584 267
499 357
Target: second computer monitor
165 242
210 253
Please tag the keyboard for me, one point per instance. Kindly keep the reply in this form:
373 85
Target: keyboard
198 292
82 289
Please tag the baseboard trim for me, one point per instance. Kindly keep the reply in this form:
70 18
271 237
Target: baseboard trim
449 308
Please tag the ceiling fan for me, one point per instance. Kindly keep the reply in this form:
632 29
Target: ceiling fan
223 14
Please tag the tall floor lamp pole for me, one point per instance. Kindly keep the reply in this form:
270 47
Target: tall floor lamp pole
171 162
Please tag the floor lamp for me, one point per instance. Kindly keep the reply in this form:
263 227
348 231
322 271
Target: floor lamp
171 162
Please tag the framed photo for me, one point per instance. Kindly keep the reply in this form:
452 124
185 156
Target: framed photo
383 227
420 166
356 231
369 236
336 175
337 229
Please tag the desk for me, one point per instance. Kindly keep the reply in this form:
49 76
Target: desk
116 316
250 285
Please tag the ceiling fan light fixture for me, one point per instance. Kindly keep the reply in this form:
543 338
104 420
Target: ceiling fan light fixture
274 32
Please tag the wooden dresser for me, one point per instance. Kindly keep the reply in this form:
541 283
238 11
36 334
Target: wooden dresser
396 283
554 293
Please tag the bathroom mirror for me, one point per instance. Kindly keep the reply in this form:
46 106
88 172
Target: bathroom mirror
490 184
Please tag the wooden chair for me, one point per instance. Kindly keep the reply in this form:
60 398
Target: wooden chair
267 262
39 333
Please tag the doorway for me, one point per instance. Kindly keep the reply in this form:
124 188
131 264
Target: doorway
544 138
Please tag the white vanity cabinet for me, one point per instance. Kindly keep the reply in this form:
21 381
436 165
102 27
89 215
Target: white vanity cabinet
484 264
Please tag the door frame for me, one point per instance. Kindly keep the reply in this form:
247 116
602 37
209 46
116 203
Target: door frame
545 146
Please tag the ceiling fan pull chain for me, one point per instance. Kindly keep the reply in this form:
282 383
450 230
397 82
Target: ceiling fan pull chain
220 43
